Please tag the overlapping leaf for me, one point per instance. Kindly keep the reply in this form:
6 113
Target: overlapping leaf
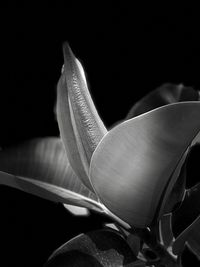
102 248
136 165
41 167
161 96
80 125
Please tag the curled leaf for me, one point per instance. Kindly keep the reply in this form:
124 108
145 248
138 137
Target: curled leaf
136 165
80 125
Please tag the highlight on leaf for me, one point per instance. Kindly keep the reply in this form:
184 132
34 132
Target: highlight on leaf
135 173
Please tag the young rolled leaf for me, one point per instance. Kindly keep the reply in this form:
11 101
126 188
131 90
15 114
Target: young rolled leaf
99 248
165 94
136 165
41 167
186 219
80 125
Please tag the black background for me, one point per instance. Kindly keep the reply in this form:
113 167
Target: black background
126 52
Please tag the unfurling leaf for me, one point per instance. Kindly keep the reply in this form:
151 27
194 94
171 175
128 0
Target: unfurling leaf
136 165
80 125
102 248
161 96
41 167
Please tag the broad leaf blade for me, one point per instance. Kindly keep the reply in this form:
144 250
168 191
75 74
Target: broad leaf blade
80 125
133 168
187 218
99 248
161 96
41 167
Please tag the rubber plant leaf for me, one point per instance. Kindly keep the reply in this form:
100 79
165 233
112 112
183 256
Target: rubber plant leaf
136 165
186 221
165 94
100 248
41 167
80 126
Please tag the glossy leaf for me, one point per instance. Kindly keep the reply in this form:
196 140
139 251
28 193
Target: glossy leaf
136 165
165 94
41 167
186 219
103 248
80 125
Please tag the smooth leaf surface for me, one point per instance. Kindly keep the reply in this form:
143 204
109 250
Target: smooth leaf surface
104 248
136 165
161 96
186 219
80 125
41 167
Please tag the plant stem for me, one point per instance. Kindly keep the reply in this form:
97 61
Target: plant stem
165 257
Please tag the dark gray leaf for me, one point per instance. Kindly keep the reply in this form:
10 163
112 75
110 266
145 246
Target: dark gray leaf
161 96
102 248
186 218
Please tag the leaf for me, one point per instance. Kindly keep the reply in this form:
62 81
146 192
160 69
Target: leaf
80 125
136 165
78 211
178 192
98 248
186 218
132 240
41 167
165 94
165 230
193 240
